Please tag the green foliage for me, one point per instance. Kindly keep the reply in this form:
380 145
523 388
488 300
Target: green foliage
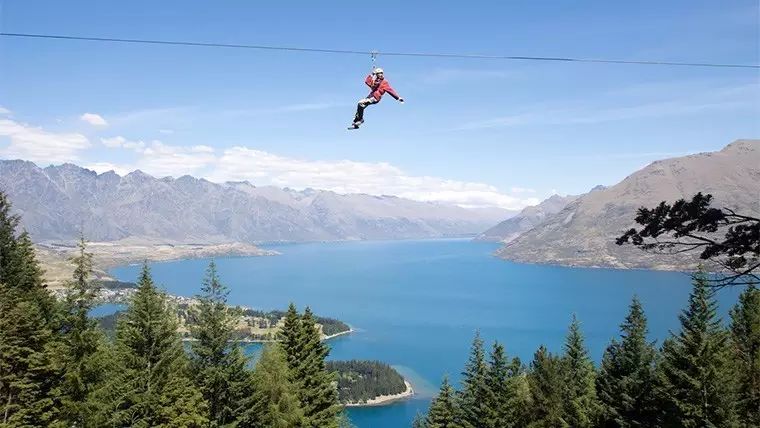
444 412
691 225
274 403
27 376
546 388
419 421
148 384
496 405
305 355
745 334
360 380
695 377
28 322
473 397
626 377
331 326
81 348
581 404
217 361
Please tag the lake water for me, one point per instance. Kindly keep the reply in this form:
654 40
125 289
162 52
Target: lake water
417 304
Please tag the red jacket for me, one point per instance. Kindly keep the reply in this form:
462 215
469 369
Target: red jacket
378 88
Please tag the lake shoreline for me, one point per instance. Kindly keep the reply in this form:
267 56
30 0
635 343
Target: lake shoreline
248 341
382 400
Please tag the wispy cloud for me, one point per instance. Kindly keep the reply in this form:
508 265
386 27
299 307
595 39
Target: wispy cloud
692 102
36 144
289 108
441 76
119 141
4 111
93 119
151 115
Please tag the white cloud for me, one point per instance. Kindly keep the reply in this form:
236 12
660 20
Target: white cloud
119 141
345 176
164 160
93 119
101 167
4 111
522 190
341 176
36 144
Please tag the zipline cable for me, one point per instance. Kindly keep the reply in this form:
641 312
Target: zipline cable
376 53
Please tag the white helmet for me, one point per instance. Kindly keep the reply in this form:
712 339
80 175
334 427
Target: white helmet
378 70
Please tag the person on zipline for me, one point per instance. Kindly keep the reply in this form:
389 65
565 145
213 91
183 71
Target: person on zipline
378 86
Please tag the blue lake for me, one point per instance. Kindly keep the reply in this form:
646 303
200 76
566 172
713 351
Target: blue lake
417 304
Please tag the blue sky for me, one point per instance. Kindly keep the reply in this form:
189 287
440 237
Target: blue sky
472 132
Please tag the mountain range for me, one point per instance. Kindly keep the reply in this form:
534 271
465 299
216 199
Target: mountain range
583 233
57 203
527 219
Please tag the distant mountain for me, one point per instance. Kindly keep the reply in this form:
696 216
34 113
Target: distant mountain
584 232
58 202
530 217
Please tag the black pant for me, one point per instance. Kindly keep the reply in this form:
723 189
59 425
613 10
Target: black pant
363 103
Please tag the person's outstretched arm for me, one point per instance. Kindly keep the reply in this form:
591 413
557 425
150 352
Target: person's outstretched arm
370 80
393 93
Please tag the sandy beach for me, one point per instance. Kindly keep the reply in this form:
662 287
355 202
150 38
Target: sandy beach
386 399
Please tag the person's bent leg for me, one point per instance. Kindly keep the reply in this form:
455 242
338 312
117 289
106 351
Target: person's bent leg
363 103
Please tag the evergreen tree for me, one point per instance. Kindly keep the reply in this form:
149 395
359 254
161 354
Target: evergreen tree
474 394
318 392
8 224
305 354
28 322
419 421
498 394
26 370
149 385
291 338
218 362
745 332
80 350
694 375
546 389
581 405
274 403
626 378
443 411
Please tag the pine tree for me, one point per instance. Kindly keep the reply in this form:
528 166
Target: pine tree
507 391
694 376
81 345
274 403
318 392
8 224
217 361
745 332
28 322
419 421
291 338
498 394
474 394
26 370
546 389
149 384
443 411
626 378
305 354
581 404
